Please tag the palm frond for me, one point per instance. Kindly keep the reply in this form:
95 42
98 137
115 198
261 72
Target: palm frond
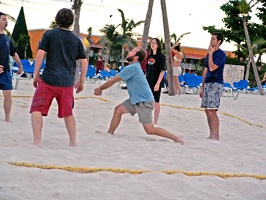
181 36
9 17
243 7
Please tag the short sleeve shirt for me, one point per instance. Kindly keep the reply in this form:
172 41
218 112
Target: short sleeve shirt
6 49
155 64
137 85
63 48
219 59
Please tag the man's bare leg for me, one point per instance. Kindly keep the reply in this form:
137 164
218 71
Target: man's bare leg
37 124
70 123
7 104
118 112
156 113
213 122
151 130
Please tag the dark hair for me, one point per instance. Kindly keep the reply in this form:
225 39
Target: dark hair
159 49
1 13
219 36
64 18
177 47
141 54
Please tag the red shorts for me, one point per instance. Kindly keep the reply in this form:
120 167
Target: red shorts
44 95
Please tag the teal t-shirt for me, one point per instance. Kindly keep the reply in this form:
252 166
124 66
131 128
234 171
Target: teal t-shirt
137 85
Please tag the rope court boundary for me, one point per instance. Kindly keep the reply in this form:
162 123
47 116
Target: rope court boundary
132 171
169 105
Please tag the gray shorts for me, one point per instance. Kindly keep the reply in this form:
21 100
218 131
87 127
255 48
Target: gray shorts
143 109
212 95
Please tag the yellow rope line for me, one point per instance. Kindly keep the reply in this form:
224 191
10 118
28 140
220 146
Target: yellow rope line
93 97
131 171
76 98
21 96
172 106
252 124
224 113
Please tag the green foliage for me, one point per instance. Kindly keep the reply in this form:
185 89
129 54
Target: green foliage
236 21
199 70
53 25
174 39
252 80
112 41
235 61
243 7
93 58
233 23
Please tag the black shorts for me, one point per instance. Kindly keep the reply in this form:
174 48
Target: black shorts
157 95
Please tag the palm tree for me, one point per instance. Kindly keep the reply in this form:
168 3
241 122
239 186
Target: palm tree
89 30
76 6
147 25
171 88
256 49
244 8
174 37
126 36
259 50
110 37
10 18
178 39
245 53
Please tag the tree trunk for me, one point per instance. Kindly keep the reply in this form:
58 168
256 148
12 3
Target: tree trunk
76 30
77 33
147 25
89 40
171 87
252 57
123 55
247 70
107 55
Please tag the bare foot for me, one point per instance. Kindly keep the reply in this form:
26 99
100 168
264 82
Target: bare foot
110 133
213 138
179 92
72 145
39 145
8 120
179 139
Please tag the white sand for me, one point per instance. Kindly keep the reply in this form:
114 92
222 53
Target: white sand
242 150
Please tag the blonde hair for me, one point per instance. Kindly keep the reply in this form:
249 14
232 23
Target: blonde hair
107 65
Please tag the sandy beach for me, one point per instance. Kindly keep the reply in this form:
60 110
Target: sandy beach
131 165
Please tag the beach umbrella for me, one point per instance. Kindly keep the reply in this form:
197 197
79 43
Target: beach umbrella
21 36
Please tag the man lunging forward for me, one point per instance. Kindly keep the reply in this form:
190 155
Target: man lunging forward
141 100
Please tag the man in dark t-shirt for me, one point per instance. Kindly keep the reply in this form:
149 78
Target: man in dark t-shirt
62 48
7 49
212 83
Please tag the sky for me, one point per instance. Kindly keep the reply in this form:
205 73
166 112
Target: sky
183 16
